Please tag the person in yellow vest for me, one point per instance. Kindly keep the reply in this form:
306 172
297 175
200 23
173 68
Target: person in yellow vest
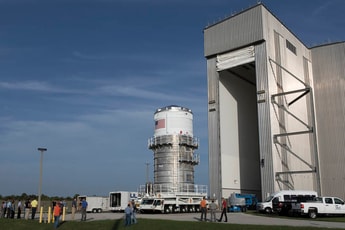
34 204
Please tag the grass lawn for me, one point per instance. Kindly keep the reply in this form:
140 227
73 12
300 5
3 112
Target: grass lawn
143 224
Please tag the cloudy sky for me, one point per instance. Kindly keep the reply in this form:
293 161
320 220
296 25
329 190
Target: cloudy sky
83 78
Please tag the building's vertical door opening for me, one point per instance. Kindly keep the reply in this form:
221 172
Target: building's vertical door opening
239 138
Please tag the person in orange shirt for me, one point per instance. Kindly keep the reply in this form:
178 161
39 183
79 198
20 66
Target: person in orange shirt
57 212
203 207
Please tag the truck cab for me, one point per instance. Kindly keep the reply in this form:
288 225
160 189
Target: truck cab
151 205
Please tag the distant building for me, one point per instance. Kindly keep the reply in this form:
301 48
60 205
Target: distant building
276 108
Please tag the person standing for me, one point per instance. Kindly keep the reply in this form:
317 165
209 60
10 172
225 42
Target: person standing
3 209
53 206
57 213
134 210
213 207
19 209
203 204
74 208
224 210
13 210
128 213
83 209
9 209
33 204
27 207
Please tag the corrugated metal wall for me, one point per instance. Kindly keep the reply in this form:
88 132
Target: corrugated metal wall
213 129
266 160
329 86
307 66
220 38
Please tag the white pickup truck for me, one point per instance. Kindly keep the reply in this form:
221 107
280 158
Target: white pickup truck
323 206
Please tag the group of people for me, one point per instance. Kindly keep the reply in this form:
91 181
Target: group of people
213 208
9 208
58 210
130 213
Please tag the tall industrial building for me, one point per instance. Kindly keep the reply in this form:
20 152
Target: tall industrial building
276 108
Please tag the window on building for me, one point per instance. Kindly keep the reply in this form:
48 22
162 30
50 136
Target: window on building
291 47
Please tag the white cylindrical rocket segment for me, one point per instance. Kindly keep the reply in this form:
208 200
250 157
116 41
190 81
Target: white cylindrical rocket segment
173 120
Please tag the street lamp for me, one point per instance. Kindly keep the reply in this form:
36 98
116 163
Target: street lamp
42 150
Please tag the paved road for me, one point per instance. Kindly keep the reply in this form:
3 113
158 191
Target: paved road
234 218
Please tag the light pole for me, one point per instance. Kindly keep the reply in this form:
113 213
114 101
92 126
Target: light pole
147 172
42 150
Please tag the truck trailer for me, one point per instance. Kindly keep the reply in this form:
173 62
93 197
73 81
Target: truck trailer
95 204
119 200
171 203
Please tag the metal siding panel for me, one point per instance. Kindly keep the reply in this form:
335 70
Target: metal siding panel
329 84
311 118
213 129
221 37
291 151
265 142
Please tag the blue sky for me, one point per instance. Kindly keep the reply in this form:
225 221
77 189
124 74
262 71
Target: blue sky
84 77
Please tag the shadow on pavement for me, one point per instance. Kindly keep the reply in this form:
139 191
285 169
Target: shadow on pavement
117 224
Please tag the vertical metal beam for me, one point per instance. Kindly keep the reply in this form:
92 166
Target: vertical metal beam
316 152
215 170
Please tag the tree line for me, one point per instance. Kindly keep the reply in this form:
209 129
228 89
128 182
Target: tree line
25 196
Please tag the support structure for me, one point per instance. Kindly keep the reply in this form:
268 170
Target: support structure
282 104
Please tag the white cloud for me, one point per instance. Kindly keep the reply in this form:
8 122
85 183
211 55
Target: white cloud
28 85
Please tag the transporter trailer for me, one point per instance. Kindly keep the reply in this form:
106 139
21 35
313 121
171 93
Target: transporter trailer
171 203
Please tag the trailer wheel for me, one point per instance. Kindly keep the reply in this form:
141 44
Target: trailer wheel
94 210
312 214
174 208
99 210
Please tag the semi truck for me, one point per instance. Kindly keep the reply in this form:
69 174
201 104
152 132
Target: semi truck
95 204
119 200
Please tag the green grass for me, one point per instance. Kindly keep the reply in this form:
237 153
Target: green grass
151 224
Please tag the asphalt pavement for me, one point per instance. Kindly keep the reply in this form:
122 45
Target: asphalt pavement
233 218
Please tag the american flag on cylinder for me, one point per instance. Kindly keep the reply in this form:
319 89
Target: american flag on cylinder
160 124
